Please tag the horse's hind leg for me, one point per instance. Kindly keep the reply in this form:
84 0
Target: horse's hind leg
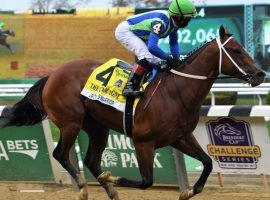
68 136
98 137
191 147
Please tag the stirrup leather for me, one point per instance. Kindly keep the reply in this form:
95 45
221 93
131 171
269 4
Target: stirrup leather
129 91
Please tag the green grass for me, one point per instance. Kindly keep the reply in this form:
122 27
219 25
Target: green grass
249 100
55 132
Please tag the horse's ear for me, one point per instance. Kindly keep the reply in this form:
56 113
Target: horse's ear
222 32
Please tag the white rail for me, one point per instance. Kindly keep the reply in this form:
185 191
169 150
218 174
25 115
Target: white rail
14 90
19 90
241 89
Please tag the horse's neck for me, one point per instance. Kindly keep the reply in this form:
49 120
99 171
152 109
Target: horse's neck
194 91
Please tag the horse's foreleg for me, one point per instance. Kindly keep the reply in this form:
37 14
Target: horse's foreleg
8 46
61 154
145 156
191 147
98 137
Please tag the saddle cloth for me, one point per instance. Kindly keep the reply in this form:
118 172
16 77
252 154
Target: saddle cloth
107 82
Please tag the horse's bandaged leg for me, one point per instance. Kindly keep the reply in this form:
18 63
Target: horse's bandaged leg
107 177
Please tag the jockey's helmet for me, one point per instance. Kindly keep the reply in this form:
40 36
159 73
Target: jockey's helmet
2 24
181 12
184 8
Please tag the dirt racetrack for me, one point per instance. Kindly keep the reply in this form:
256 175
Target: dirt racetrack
20 191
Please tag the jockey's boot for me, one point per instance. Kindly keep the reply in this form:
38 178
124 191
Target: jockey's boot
132 87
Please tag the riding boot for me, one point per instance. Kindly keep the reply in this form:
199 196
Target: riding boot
132 87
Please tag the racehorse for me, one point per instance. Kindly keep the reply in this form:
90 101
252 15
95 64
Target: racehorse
3 38
169 119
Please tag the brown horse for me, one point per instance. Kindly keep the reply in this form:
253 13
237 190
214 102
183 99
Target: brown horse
169 119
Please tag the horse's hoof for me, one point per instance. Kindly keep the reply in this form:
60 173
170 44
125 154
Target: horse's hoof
186 194
112 193
116 197
83 195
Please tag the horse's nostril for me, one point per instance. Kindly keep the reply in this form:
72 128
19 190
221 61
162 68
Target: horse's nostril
261 74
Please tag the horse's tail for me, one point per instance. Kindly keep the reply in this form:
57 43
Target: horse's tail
27 111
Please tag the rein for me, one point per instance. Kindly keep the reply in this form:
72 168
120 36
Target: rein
245 76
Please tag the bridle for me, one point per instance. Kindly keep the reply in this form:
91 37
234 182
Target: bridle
245 76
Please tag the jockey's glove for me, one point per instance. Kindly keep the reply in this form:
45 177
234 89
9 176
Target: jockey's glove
173 62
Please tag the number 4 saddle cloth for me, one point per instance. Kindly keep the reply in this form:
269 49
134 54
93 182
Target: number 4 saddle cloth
107 82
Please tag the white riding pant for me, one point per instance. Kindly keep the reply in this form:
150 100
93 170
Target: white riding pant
134 44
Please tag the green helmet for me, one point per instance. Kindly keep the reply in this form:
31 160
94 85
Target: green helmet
2 24
182 7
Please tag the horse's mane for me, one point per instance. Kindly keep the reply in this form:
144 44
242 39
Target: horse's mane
191 55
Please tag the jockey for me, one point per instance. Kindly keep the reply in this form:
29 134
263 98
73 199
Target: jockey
2 24
140 34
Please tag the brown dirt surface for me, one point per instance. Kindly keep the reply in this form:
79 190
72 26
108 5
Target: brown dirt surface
13 191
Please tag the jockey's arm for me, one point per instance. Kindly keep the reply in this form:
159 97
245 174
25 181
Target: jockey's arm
174 47
153 48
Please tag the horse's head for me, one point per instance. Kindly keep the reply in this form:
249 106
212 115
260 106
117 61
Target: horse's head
228 133
226 129
235 61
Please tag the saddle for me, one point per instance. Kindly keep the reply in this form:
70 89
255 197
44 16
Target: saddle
106 84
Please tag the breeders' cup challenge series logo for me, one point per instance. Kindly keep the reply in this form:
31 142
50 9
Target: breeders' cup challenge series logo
232 143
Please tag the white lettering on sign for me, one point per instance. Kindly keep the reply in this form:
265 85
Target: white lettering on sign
27 147
130 160
157 164
3 153
127 159
119 142
22 144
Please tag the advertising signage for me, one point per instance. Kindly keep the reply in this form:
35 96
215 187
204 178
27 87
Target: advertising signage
24 154
232 144
261 27
119 157
235 144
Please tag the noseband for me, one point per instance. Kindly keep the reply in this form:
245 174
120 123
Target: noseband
244 75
